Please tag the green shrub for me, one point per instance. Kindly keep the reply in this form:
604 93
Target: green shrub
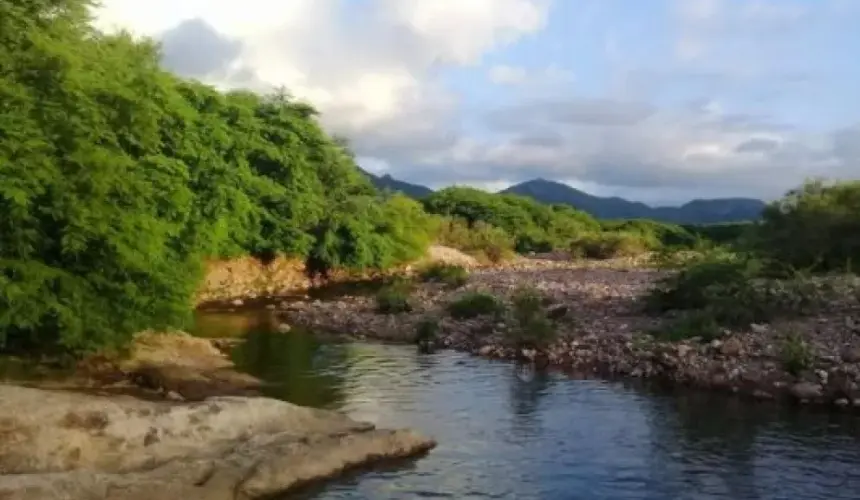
608 245
815 227
691 324
427 332
394 299
795 354
736 290
712 277
452 275
531 327
474 304
532 226
483 241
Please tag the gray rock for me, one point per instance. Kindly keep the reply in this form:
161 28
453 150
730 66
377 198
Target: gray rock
66 445
806 391
732 347
850 355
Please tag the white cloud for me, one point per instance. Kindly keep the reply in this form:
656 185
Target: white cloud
507 75
370 74
376 80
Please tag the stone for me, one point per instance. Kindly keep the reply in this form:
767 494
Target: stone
237 303
284 328
486 350
731 347
806 391
850 355
60 445
683 350
842 402
557 312
759 328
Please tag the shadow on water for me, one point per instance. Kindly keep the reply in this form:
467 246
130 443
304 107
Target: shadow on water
505 431
289 363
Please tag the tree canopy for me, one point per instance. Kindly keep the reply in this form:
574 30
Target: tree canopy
118 178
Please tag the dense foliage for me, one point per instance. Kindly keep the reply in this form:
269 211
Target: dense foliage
533 226
118 178
815 228
774 266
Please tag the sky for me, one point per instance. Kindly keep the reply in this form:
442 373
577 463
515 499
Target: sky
660 101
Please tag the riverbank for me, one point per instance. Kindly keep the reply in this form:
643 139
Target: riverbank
165 422
601 330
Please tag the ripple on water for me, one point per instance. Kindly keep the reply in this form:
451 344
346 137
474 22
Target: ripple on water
507 433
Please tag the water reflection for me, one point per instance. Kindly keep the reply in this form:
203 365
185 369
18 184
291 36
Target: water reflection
291 364
527 388
505 432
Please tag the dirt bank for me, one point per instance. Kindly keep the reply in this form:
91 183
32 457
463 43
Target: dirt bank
247 278
602 330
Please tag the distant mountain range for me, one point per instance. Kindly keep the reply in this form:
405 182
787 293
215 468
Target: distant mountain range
388 183
708 211
694 212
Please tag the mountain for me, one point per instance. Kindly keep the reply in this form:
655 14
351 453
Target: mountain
694 212
386 182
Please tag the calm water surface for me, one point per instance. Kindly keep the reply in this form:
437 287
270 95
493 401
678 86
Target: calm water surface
506 433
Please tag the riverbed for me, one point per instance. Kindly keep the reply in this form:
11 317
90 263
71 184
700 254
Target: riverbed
505 431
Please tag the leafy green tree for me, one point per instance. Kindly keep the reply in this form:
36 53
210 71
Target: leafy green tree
815 227
117 179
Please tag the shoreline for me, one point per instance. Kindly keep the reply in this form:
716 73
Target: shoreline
603 333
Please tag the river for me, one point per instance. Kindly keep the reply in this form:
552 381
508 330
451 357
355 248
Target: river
505 432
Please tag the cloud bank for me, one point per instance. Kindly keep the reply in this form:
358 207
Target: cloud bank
442 91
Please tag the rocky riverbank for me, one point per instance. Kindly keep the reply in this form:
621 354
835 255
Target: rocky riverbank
603 331
158 424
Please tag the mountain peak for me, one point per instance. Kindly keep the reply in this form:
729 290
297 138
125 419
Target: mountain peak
694 212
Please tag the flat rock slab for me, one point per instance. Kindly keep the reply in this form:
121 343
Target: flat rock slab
65 445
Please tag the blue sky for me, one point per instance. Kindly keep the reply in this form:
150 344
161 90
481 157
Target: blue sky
655 100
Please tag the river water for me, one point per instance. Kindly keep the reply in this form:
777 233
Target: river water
507 433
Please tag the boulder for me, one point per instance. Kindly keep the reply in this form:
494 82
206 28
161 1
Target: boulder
64 445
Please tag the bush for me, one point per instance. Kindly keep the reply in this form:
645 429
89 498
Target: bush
532 226
608 246
531 327
452 275
483 241
691 324
474 304
427 332
795 354
734 290
394 298
815 227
